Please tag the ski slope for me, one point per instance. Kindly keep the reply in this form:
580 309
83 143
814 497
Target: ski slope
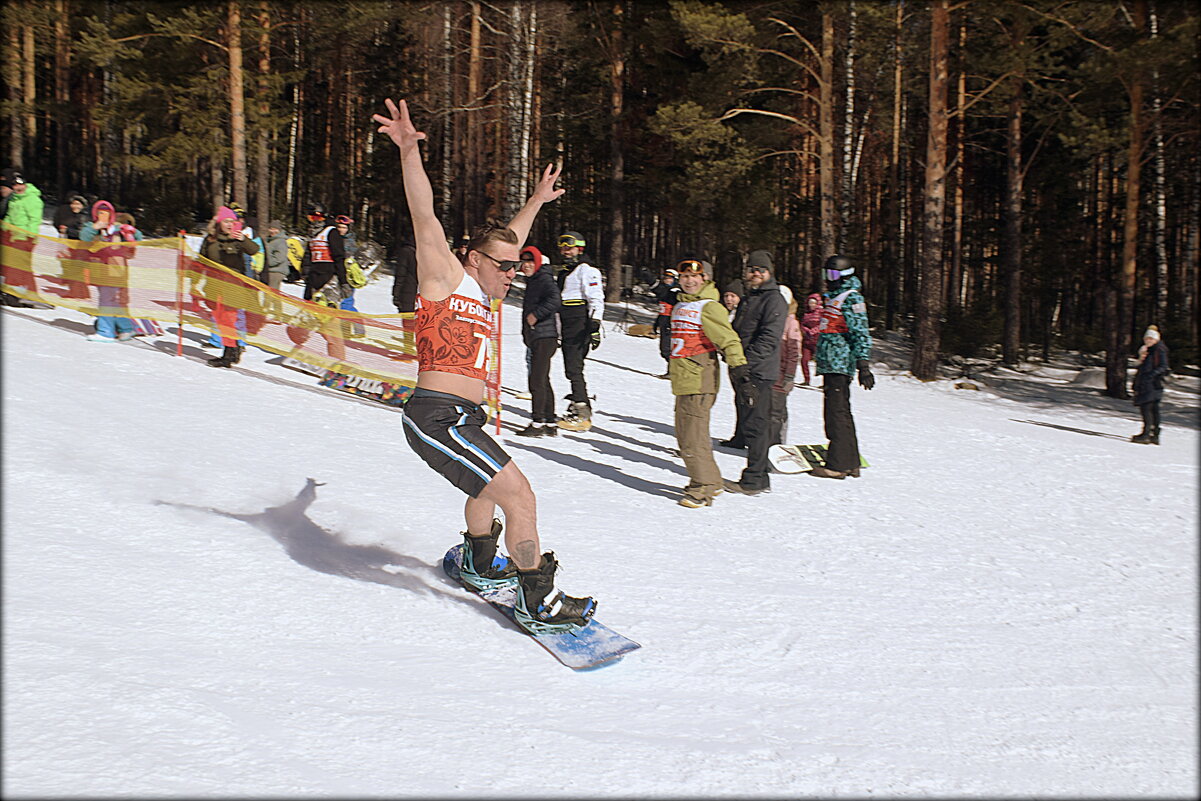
1004 604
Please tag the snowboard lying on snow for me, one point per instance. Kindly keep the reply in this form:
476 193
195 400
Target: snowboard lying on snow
591 646
800 458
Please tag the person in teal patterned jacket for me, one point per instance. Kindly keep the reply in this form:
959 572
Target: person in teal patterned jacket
844 346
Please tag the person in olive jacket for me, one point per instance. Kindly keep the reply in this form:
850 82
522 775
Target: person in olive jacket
759 321
540 332
700 326
1148 384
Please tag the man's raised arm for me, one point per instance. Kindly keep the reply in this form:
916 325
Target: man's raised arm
435 263
545 192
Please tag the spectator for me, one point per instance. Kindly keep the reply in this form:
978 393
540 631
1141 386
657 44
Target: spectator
539 331
731 297
1148 384
111 279
700 329
790 352
70 219
665 291
404 279
325 267
349 247
579 324
759 323
810 324
226 245
275 264
23 210
844 345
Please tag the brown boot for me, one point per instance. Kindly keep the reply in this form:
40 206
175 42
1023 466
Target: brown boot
825 472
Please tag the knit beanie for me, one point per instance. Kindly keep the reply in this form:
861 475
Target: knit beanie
734 287
759 258
1153 332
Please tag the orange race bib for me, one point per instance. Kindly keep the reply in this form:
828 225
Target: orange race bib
453 334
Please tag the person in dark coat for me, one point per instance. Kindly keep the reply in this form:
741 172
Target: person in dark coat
759 322
69 219
540 331
1148 384
665 290
404 280
226 245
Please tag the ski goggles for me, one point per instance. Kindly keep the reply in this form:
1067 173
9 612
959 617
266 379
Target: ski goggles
503 266
836 275
342 219
690 266
569 241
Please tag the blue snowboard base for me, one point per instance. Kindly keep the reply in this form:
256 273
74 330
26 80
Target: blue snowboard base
594 645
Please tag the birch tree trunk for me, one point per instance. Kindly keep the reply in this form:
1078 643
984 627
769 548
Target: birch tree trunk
617 66
30 91
1161 200
446 101
263 165
848 133
237 102
829 232
895 216
929 306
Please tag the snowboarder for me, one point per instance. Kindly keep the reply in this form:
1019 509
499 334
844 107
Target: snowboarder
443 419
844 345
579 325
700 326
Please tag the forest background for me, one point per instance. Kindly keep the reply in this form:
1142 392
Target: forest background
1023 175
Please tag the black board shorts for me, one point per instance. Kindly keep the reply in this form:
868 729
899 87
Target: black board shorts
447 432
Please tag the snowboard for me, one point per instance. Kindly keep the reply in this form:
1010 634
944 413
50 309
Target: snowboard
594 645
800 458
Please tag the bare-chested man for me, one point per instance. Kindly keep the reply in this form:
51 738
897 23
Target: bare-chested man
443 419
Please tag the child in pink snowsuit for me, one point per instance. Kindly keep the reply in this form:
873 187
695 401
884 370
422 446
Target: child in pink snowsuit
810 322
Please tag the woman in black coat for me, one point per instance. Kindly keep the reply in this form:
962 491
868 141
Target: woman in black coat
1148 384
540 331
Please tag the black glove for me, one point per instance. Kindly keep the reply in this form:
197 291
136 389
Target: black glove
866 379
594 333
744 388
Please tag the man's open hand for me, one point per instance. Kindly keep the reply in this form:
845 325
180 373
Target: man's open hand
399 127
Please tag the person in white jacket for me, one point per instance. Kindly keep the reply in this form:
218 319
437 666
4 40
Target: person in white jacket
583 292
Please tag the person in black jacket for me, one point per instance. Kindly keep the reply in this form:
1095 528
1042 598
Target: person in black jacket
540 331
759 323
665 290
1148 384
70 218
404 281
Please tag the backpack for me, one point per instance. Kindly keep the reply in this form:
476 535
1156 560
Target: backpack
354 274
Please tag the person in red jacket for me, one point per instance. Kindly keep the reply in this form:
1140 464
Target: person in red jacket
810 323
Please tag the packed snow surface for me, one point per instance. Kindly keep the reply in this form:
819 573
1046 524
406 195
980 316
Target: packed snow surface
1003 605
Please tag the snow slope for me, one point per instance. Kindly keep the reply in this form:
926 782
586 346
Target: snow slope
1005 603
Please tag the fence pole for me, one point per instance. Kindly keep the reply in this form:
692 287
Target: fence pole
179 269
499 338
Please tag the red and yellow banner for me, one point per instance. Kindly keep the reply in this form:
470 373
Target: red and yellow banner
163 280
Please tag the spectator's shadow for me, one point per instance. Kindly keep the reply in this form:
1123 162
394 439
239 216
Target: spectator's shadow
648 425
1073 430
310 545
602 470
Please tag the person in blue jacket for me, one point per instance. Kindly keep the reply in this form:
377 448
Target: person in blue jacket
844 346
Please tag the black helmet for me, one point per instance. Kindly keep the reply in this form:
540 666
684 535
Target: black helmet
838 267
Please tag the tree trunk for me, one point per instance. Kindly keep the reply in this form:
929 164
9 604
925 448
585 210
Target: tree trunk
62 88
955 273
848 133
929 306
1161 201
12 77
617 67
474 119
263 166
1011 250
28 67
237 102
829 234
1119 335
896 225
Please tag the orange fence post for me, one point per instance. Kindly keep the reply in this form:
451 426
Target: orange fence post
499 338
183 244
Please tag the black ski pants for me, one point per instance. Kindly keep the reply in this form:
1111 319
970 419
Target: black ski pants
573 324
755 424
1150 417
843 455
778 424
542 402
663 323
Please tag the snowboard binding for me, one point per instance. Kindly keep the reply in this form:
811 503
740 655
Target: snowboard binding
498 572
541 608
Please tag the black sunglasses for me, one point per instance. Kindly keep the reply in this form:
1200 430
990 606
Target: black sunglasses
503 266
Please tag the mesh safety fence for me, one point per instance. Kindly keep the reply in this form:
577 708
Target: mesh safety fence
164 280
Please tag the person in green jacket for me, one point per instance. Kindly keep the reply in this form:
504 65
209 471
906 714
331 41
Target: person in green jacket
23 211
700 327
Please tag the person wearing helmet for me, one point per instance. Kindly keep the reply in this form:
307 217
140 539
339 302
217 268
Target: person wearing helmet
665 290
579 324
443 420
325 266
844 346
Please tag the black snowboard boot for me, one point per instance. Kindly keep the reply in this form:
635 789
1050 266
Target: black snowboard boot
1154 439
482 569
541 608
1142 438
532 430
228 358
